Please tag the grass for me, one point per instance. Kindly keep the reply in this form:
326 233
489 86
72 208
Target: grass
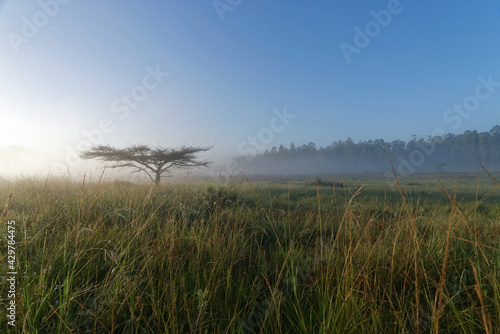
331 256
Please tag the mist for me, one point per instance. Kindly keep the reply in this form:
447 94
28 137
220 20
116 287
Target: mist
447 153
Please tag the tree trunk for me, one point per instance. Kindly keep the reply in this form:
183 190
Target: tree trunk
158 178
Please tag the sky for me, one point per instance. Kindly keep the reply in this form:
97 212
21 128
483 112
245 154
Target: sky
241 75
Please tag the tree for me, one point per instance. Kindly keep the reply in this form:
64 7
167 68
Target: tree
440 167
154 161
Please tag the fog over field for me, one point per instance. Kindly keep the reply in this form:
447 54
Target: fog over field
249 77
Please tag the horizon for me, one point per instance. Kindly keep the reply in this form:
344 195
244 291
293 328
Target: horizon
97 168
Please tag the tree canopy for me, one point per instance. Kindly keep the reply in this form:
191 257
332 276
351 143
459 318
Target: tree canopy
154 161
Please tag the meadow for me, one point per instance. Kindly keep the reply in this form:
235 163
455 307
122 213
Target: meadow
340 254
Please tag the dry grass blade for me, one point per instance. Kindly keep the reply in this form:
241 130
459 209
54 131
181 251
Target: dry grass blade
5 208
397 181
442 281
498 184
456 206
479 295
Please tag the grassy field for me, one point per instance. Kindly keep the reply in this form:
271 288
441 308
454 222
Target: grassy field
338 255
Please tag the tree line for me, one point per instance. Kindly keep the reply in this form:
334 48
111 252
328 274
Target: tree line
447 153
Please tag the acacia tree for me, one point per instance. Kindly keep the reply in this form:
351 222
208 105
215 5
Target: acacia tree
154 161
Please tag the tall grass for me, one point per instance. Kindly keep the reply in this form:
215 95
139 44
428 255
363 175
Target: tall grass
324 257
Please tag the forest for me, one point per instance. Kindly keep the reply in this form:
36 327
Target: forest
448 153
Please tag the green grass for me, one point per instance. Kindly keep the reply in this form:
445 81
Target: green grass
347 255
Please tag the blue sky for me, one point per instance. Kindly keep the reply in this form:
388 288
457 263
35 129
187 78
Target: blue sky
226 76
